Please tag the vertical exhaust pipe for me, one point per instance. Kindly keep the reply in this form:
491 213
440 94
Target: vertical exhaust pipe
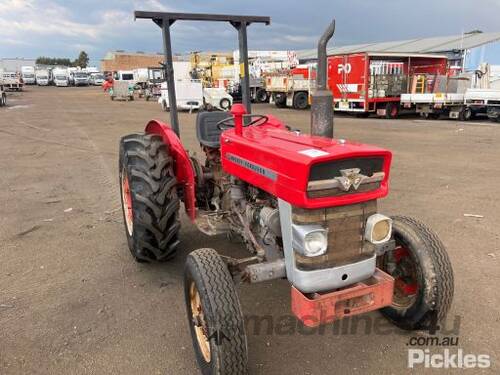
322 97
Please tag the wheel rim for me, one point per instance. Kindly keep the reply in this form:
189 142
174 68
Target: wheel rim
199 323
400 264
127 203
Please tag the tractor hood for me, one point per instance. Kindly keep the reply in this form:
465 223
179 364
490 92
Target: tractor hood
306 171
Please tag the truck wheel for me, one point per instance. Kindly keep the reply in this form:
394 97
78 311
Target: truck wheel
391 111
423 288
280 100
225 104
465 114
149 197
214 315
261 96
300 100
3 100
164 105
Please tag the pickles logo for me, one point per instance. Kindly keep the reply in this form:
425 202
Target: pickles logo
447 359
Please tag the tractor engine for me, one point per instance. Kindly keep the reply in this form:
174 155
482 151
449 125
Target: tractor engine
228 204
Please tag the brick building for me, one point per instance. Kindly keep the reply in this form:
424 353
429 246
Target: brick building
121 60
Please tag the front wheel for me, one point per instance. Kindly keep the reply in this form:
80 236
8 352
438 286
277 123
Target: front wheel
423 288
214 315
300 101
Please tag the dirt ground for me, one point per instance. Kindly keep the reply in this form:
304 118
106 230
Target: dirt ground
72 300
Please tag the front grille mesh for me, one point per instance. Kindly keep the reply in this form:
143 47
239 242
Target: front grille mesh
346 227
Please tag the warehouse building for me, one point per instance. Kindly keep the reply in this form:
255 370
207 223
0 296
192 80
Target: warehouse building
15 64
466 51
121 60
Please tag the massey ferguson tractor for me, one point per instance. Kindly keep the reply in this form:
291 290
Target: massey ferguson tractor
304 205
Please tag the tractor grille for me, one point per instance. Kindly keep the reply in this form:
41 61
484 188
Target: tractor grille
323 177
346 227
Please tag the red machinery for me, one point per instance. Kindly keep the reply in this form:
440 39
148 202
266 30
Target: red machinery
365 83
305 207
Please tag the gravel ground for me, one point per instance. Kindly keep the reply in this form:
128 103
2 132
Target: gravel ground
72 300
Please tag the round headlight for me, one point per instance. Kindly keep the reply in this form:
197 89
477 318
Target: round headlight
315 243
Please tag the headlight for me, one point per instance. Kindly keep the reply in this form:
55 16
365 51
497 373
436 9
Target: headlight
310 240
378 229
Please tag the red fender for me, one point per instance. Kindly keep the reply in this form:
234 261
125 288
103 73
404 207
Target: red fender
182 164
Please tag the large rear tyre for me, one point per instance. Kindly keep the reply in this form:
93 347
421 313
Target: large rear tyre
214 315
149 197
300 101
261 96
280 100
423 289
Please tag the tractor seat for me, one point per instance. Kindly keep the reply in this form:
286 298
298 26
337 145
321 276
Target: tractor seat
206 127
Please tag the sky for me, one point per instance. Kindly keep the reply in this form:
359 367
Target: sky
62 28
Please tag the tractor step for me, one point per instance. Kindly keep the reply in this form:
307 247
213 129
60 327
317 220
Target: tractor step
314 309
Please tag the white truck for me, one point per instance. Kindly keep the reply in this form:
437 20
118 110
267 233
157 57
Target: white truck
11 81
42 77
291 88
189 94
124 75
60 77
459 97
80 78
28 75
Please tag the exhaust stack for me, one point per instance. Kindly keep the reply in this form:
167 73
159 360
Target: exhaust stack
322 98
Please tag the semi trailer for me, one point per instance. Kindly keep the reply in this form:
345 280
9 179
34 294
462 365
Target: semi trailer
365 83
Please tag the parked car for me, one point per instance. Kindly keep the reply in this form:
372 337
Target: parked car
96 79
218 98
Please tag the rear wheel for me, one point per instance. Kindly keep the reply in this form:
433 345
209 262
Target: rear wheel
280 100
391 110
3 100
164 105
214 315
465 114
149 197
423 288
300 101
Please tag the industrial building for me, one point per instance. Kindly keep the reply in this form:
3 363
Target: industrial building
14 64
121 60
467 50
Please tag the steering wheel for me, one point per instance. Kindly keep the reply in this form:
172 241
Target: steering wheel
228 122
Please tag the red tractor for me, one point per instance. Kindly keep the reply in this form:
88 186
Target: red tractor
304 205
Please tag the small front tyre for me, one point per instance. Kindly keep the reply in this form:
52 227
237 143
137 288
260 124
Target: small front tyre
423 289
214 315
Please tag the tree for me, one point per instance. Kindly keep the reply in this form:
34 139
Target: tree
82 61
42 60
